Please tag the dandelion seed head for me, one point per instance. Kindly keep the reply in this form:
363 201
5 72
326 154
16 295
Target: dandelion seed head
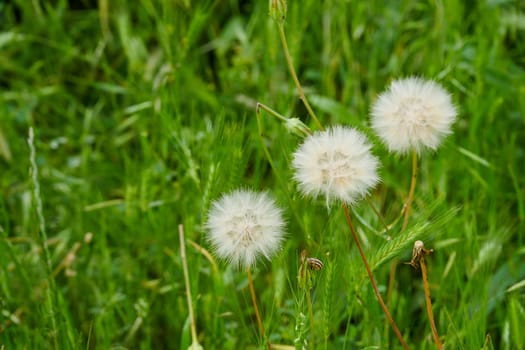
336 163
413 114
244 225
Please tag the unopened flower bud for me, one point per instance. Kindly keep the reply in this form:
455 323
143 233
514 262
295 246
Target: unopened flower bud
297 127
278 10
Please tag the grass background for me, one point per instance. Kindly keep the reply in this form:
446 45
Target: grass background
144 112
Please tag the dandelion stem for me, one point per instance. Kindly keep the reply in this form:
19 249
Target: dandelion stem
406 212
429 303
294 77
372 279
408 204
187 282
269 110
256 308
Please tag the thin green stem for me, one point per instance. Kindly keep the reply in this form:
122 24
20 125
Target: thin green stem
372 279
256 308
302 96
187 283
50 290
293 125
207 255
269 157
269 110
311 316
379 216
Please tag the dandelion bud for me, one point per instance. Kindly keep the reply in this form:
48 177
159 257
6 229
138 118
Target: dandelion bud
278 10
297 127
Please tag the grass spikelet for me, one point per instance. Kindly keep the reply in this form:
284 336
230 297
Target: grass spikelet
403 241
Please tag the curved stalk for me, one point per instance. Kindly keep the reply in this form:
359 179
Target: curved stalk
428 301
256 308
380 217
295 79
194 340
311 316
406 213
372 279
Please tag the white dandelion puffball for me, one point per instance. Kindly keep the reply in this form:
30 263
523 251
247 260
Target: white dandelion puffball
336 163
244 225
412 114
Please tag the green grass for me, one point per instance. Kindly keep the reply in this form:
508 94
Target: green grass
144 112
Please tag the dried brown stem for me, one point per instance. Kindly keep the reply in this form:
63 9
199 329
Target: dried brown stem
429 303
254 302
406 212
372 279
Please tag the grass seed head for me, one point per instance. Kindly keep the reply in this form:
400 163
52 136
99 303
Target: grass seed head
278 9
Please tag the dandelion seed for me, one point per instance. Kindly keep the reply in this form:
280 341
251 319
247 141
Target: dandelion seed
244 225
413 114
336 163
